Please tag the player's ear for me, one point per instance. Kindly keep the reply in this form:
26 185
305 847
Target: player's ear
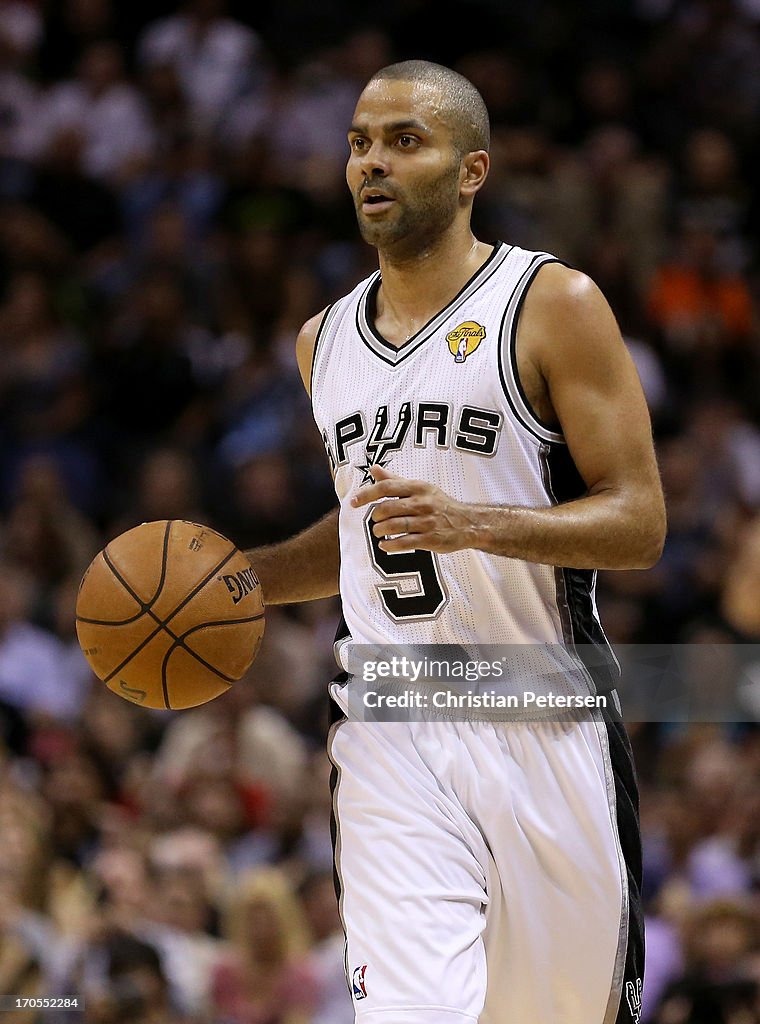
474 171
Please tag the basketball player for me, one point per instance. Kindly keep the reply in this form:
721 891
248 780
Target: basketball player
491 449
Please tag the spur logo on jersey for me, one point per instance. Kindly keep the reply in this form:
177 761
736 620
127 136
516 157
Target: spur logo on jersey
468 429
633 998
357 983
463 340
382 442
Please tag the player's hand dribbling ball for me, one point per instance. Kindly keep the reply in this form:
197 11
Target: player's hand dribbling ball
170 614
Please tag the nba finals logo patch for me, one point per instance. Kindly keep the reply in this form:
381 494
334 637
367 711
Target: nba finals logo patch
463 340
360 989
633 996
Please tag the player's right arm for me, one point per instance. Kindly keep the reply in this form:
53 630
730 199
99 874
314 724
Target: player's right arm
305 567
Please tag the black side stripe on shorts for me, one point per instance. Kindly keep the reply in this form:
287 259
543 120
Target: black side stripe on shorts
339 720
624 1006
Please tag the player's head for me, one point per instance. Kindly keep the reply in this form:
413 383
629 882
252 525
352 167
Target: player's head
418 154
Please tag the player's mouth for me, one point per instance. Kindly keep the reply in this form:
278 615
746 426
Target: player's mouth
373 201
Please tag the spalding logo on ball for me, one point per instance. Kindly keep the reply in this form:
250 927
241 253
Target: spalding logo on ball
170 614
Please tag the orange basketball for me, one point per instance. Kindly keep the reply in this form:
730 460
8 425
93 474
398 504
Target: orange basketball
170 614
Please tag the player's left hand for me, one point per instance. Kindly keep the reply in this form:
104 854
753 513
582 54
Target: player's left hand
420 516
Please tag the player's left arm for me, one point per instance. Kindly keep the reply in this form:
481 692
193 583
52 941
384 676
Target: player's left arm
569 334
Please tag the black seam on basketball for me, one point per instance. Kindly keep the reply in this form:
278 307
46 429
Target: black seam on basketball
180 606
110 622
199 586
147 640
179 642
163 624
164 561
127 586
164 683
127 622
221 622
145 606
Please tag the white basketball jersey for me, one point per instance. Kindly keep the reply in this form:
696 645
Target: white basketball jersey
446 407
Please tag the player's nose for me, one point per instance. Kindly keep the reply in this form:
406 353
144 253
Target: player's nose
373 162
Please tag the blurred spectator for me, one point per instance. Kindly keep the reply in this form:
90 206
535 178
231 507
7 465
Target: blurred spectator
712 195
150 359
701 69
332 1004
23 890
265 751
123 980
728 862
167 487
705 315
70 27
41 378
31 676
740 596
266 979
177 923
174 204
21 27
108 112
83 207
716 986
44 533
20 137
664 963
214 57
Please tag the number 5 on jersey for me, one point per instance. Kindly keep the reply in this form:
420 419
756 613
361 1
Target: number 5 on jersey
428 596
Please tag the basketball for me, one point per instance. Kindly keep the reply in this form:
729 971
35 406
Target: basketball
170 614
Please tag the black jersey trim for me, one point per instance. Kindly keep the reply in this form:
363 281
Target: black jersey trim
507 357
392 354
342 637
563 605
321 331
506 338
575 587
513 344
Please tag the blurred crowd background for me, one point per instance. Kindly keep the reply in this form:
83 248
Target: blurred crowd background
172 208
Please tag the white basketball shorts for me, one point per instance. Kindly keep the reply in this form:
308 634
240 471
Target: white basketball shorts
488 872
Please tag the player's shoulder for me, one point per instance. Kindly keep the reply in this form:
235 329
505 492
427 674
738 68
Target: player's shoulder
566 318
560 290
306 343
311 332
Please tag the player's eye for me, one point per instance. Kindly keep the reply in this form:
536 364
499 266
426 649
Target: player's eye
358 144
407 141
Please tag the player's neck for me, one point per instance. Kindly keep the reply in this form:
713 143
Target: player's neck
416 287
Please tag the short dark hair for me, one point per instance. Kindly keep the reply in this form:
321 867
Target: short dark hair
465 110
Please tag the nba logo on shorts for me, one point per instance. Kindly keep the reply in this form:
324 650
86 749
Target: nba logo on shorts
360 990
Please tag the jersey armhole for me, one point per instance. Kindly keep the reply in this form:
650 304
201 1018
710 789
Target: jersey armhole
321 332
507 355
